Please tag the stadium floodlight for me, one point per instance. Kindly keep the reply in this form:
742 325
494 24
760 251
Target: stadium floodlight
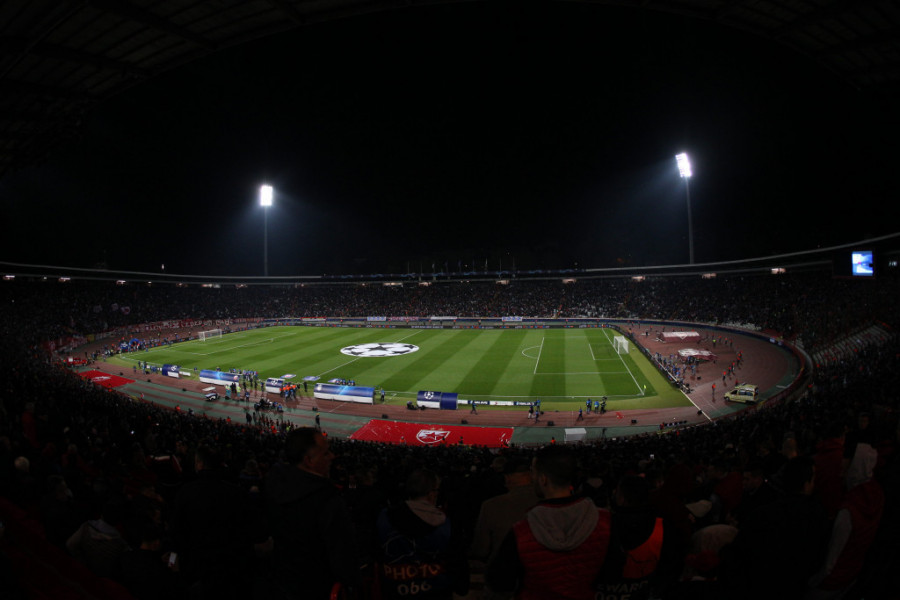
266 194
684 169
684 164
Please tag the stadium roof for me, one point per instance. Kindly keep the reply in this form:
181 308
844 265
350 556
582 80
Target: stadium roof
60 58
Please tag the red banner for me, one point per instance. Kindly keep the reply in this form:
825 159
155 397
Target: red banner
417 434
105 379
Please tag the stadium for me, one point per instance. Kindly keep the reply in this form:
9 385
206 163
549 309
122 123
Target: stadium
496 364
151 418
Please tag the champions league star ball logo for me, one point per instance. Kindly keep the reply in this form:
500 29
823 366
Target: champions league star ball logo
378 350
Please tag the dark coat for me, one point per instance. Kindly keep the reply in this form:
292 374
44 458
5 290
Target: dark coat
777 549
214 529
419 558
315 544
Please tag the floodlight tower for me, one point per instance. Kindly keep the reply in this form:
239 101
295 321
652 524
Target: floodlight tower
684 168
266 193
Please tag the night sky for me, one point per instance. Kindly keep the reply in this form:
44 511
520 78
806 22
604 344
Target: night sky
540 138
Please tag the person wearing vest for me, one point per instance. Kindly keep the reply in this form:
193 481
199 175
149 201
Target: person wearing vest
558 549
636 547
854 528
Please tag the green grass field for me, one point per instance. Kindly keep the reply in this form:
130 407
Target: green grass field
562 367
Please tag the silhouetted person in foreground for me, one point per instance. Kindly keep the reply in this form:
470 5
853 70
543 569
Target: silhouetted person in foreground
315 544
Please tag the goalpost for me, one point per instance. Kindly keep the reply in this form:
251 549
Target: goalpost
620 344
212 333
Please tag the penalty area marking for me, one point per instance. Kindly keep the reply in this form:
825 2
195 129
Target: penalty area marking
270 340
633 378
537 361
230 348
594 356
584 373
623 396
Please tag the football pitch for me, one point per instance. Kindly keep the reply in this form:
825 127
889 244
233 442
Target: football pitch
563 367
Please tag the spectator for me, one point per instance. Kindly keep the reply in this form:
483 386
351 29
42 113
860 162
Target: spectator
726 492
634 559
670 498
500 513
783 541
98 543
214 530
558 549
366 500
854 528
420 553
58 511
830 467
146 570
9 583
757 491
315 544
61 410
25 490
251 476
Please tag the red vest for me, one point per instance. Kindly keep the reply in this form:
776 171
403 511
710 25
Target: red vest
561 575
641 562
865 526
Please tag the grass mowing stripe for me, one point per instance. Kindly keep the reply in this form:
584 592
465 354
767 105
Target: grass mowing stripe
482 378
551 374
589 380
554 358
429 368
477 372
517 378
579 358
478 364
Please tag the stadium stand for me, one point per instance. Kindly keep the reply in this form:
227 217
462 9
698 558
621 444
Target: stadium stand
108 447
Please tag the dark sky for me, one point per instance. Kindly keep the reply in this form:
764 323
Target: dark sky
456 134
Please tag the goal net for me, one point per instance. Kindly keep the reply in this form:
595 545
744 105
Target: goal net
212 333
620 344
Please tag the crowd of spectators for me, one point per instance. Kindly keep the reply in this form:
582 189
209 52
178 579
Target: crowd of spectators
756 504
812 308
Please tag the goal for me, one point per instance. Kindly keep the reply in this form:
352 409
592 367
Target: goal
620 344
212 333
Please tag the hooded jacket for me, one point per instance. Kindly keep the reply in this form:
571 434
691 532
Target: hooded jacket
562 545
420 556
99 545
